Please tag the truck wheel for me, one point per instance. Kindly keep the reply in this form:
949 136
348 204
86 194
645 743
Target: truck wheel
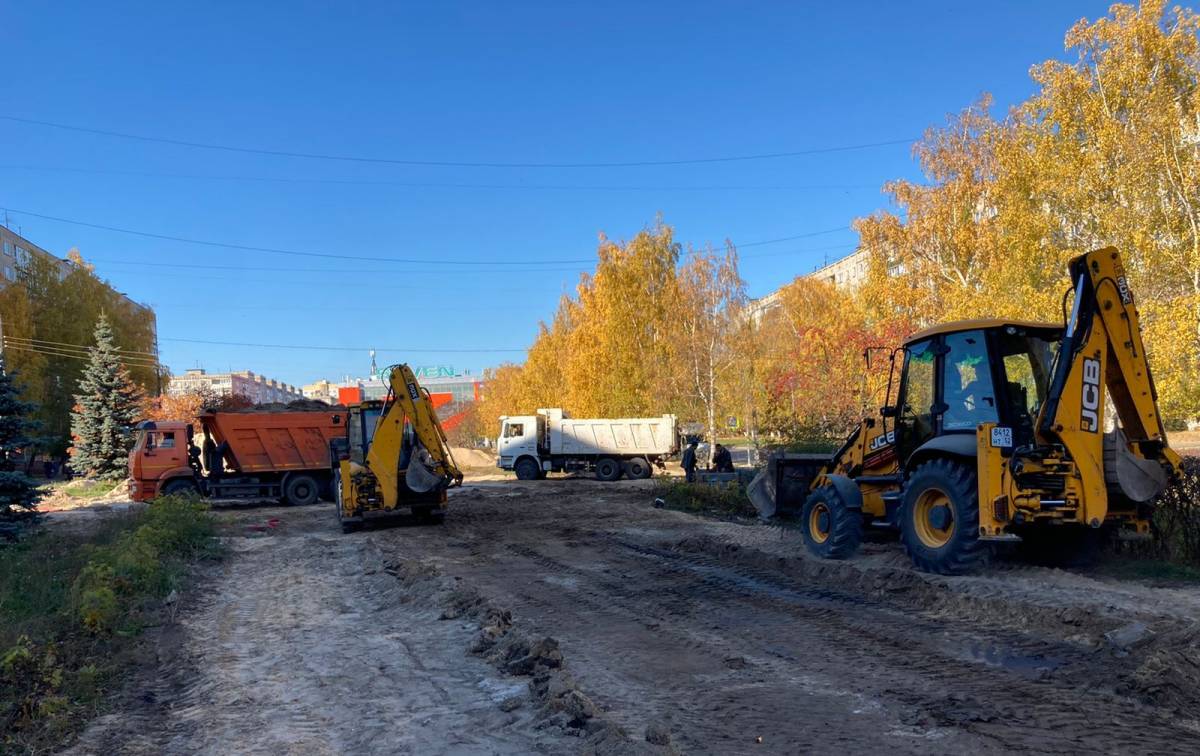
527 469
608 469
939 522
301 491
831 529
637 468
180 486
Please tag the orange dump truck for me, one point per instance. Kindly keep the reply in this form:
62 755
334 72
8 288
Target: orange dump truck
281 455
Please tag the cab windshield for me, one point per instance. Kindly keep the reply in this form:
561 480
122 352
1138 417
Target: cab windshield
1028 359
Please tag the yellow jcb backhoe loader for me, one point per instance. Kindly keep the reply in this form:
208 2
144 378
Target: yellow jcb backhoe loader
997 434
394 459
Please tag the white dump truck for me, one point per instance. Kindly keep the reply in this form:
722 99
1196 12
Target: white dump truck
553 441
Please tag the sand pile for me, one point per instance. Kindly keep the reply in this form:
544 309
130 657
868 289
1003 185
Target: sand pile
473 457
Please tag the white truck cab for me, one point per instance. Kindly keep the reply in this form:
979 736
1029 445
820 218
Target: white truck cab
518 437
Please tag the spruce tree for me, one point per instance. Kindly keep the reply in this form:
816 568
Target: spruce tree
18 494
105 410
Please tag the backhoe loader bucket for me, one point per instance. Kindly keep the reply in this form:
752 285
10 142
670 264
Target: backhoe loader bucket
1129 475
421 476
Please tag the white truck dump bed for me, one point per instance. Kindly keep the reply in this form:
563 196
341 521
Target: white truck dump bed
611 436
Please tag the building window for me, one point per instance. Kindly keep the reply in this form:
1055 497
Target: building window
7 248
22 255
10 274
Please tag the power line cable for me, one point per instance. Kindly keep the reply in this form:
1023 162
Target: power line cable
276 251
448 185
354 271
454 163
339 271
327 255
83 351
342 349
74 356
82 346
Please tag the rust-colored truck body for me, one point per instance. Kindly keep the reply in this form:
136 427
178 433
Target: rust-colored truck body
264 454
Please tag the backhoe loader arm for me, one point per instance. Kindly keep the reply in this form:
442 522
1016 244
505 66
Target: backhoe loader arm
1102 348
423 466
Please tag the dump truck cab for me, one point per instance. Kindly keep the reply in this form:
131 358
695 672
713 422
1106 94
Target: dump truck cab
159 456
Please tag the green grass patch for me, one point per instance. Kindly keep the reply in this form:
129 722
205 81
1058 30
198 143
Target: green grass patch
71 608
91 489
721 500
1152 570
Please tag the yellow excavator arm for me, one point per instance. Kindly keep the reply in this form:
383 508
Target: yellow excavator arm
401 463
1102 349
424 463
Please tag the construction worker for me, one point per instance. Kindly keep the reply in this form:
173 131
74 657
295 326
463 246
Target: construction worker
722 460
689 461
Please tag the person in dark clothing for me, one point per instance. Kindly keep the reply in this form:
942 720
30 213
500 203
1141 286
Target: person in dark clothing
689 462
48 468
722 460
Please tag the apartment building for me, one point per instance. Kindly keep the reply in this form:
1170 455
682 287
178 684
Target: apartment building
256 388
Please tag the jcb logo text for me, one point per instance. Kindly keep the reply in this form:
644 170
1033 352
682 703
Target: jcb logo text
1089 418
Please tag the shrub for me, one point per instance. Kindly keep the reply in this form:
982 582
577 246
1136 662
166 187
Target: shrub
727 499
1176 522
71 605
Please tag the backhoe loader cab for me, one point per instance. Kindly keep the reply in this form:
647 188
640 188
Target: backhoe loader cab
997 433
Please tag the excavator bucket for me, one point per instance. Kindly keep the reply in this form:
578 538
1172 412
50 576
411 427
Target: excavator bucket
1137 478
761 493
421 476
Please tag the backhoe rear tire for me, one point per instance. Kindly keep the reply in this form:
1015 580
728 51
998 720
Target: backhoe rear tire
527 469
608 469
831 529
939 521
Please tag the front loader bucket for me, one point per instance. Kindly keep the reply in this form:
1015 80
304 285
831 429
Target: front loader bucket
761 493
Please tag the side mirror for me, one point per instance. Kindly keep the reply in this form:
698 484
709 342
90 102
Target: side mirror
889 410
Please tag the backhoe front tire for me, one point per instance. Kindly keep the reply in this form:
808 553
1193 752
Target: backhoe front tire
831 529
527 469
608 469
939 522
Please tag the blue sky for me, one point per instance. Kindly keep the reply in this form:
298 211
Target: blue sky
545 82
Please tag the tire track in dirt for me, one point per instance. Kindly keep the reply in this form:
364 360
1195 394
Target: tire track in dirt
749 650
305 645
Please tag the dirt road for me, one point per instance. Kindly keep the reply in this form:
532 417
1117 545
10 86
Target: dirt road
709 634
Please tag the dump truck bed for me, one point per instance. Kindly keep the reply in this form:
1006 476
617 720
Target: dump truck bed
644 435
276 441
